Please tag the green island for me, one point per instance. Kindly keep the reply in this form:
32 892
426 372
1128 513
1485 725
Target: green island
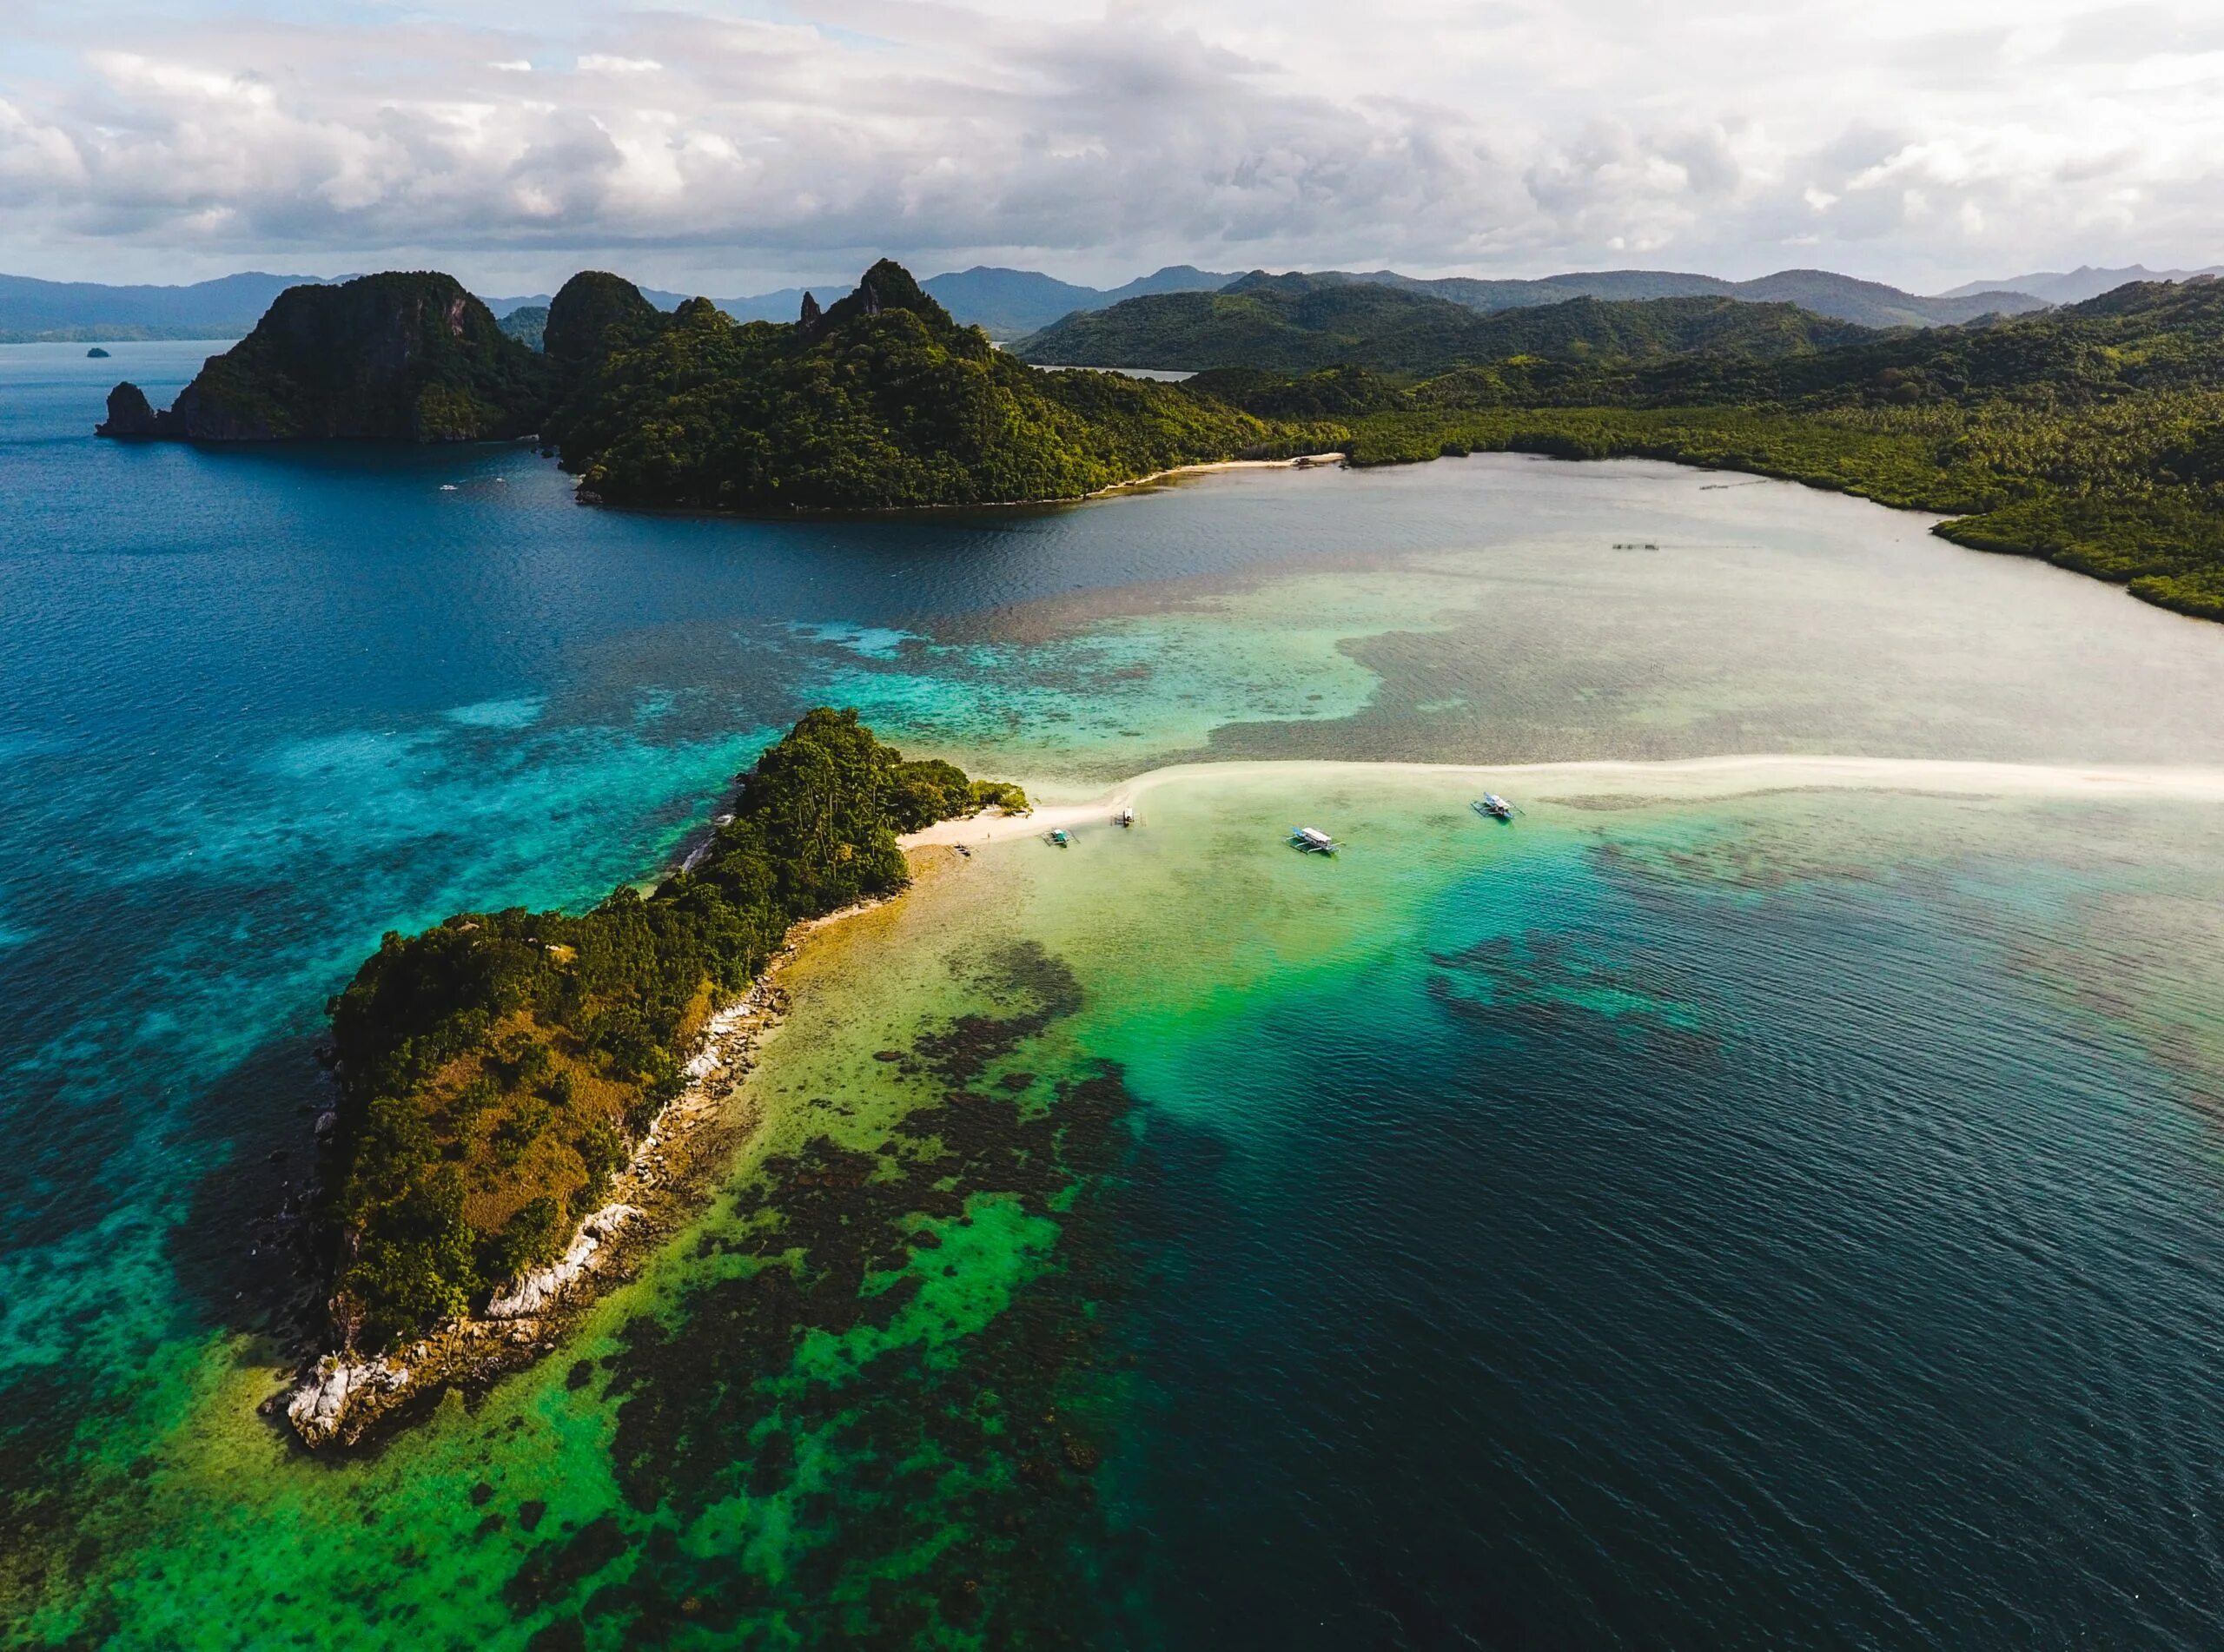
880 401
2091 435
497 1071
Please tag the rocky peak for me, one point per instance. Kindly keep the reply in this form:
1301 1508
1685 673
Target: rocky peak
402 356
888 286
129 414
593 314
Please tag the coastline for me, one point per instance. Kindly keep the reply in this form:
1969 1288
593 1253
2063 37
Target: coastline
584 495
1296 462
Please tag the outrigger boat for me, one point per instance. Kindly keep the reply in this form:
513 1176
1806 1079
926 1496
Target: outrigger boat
1312 839
1495 807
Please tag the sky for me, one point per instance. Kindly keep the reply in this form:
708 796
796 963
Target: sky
726 147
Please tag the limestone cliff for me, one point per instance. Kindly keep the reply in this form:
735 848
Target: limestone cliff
384 358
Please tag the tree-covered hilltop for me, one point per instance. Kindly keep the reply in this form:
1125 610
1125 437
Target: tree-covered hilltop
383 357
879 401
525 324
2091 435
1303 323
496 1070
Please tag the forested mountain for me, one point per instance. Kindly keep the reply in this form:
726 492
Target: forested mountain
1301 323
882 400
525 324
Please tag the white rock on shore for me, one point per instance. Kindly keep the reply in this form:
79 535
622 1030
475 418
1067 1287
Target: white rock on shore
535 1291
327 1403
322 1402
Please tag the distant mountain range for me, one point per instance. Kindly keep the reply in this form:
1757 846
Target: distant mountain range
1841 297
1011 303
2076 286
1004 302
1301 324
86 311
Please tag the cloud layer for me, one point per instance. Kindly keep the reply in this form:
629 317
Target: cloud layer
1923 143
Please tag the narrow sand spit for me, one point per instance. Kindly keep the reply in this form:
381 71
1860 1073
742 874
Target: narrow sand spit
1689 780
1302 461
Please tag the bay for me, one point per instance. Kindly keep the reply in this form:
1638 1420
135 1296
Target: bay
1764 1216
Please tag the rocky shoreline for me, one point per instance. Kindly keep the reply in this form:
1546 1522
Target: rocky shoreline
336 1400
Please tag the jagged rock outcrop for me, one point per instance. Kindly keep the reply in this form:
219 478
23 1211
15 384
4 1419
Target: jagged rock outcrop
384 358
888 286
130 416
323 1407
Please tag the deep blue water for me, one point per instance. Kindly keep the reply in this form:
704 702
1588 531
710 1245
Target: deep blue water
1844 1280
1638 1262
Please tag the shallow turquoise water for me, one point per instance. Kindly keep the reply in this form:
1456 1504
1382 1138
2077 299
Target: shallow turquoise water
1748 1223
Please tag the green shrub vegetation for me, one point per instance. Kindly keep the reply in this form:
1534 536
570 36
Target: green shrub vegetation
496 1068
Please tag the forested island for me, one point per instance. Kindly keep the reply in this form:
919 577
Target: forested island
2091 435
877 401
499 1074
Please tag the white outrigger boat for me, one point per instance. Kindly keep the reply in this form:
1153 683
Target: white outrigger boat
1312 839
1494 806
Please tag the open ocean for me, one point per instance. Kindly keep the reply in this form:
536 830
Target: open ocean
1774 1217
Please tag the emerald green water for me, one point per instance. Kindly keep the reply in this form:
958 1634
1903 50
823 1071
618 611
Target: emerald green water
1741 1215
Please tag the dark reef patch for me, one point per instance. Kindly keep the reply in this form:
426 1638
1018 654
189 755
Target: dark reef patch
937 1482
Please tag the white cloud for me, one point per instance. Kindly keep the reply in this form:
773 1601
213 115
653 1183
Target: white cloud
1519 136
